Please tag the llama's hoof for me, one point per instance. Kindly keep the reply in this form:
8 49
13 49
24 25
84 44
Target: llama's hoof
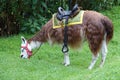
101 65
67 64
89 67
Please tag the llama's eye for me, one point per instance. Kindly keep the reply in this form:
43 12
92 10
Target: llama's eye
22 50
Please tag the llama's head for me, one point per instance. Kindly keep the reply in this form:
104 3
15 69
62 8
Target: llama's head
26 50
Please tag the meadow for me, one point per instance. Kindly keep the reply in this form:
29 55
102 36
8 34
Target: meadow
47 63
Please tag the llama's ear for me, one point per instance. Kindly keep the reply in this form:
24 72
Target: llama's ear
23 39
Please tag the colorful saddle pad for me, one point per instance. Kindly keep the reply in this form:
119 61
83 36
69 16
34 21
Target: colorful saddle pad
72 21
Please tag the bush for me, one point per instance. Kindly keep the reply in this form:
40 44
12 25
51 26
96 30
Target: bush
32 14
96 4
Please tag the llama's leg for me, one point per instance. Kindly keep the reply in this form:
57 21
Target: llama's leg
66 59
94 59
103 52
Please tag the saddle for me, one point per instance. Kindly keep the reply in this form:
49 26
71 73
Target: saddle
62 14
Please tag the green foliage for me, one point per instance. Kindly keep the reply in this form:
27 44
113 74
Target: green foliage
32 14
33 18
32 24
98 4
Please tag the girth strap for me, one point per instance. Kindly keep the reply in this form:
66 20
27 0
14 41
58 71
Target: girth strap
65 46
62 14
66 15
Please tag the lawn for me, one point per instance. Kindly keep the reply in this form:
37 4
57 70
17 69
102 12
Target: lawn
47 63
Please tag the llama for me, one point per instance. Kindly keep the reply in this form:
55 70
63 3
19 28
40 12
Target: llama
96 29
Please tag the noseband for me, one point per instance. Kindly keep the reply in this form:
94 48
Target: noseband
27 50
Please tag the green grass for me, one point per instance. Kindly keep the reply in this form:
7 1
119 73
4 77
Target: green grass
46 64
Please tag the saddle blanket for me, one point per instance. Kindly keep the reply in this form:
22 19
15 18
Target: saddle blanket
72 21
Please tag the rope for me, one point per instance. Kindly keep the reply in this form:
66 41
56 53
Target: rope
36 50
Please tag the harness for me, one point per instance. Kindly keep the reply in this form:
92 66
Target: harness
27 50
62 14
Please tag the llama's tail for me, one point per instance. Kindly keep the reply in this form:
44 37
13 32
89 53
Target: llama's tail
108 28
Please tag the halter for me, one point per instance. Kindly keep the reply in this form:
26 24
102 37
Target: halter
28 51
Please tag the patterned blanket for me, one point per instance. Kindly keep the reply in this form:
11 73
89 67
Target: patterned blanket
72 21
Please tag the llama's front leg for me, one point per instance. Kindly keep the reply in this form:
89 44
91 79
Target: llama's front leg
94 59
66 59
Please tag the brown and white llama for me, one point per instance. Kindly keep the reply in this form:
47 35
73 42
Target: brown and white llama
96 29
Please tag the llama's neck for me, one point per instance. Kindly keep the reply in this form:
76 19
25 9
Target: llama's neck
41 36
36 41
35 44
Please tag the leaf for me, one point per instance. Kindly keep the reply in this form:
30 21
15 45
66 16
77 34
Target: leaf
38 28
44 5
23 28
35 2
33 30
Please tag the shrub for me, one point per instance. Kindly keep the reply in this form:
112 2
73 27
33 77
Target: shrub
32 14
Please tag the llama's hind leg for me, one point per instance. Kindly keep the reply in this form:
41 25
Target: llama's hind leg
103 51
94 59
